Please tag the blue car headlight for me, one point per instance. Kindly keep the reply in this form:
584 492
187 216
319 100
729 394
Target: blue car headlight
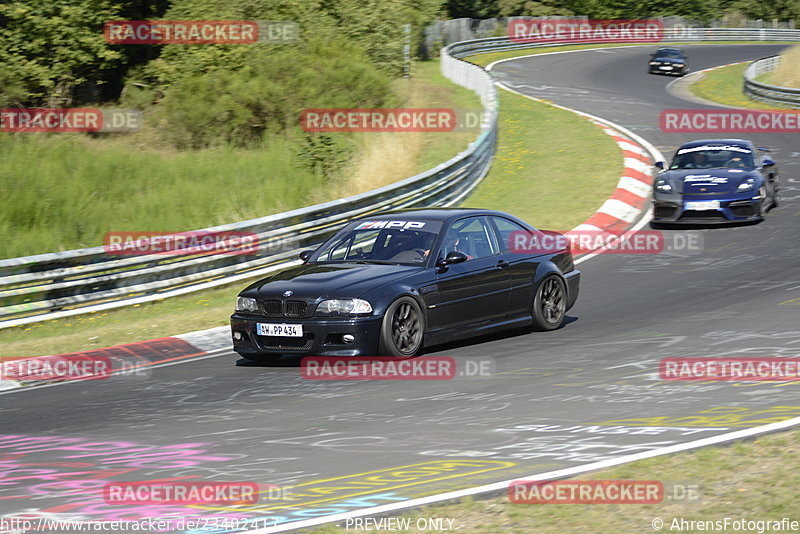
747 185
663 186
246 304
343 307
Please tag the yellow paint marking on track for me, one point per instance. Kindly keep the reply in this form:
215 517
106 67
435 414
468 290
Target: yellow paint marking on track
349 486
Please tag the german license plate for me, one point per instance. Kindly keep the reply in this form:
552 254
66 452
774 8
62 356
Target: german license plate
665 68
702 205
281 330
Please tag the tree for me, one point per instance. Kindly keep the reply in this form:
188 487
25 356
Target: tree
55 46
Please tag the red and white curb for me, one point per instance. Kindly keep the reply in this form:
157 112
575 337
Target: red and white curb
632 195
627 210
149 354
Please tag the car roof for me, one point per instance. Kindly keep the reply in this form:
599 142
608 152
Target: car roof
670 49
436 214
700 142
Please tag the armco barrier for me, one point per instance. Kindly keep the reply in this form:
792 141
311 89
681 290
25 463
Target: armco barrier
764 92
671 35
49 286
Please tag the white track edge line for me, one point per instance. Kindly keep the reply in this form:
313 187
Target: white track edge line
550 475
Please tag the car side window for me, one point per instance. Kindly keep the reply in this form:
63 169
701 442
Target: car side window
508 231
472 236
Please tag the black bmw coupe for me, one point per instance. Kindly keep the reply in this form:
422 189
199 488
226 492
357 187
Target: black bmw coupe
394 283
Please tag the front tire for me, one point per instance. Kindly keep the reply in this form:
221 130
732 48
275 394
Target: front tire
549 304
402 328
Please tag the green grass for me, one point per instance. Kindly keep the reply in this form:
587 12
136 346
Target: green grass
724 85
441 92
65 192
553 168
746 480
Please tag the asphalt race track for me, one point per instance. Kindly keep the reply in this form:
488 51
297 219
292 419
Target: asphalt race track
587 392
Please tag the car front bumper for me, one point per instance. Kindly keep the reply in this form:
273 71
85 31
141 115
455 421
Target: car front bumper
731 210
656 69
321 337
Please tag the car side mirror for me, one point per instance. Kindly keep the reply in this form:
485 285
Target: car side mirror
659 165
452 258
305 255
767 162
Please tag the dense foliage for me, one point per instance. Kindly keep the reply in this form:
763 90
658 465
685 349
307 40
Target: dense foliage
53 54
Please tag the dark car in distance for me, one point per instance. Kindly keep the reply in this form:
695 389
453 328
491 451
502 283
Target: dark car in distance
394 283
716 181
668 61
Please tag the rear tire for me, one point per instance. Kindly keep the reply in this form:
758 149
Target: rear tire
402 329
549 304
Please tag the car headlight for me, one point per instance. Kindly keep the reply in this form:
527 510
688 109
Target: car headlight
679 64
246 304
343 306
655 63
663 186
747 185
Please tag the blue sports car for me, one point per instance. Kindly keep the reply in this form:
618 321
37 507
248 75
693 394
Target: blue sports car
715 181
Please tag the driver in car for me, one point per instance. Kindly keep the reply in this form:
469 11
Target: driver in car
699 161
406 246
735 163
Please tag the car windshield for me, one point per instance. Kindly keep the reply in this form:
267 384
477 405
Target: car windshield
666 52
394 242
729 157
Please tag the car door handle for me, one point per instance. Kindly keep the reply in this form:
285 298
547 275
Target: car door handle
502 264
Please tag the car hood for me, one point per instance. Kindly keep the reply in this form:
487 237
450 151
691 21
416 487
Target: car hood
707 181
338 280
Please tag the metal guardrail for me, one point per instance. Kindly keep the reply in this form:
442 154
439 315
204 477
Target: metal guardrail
55 285
671 35
764 92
